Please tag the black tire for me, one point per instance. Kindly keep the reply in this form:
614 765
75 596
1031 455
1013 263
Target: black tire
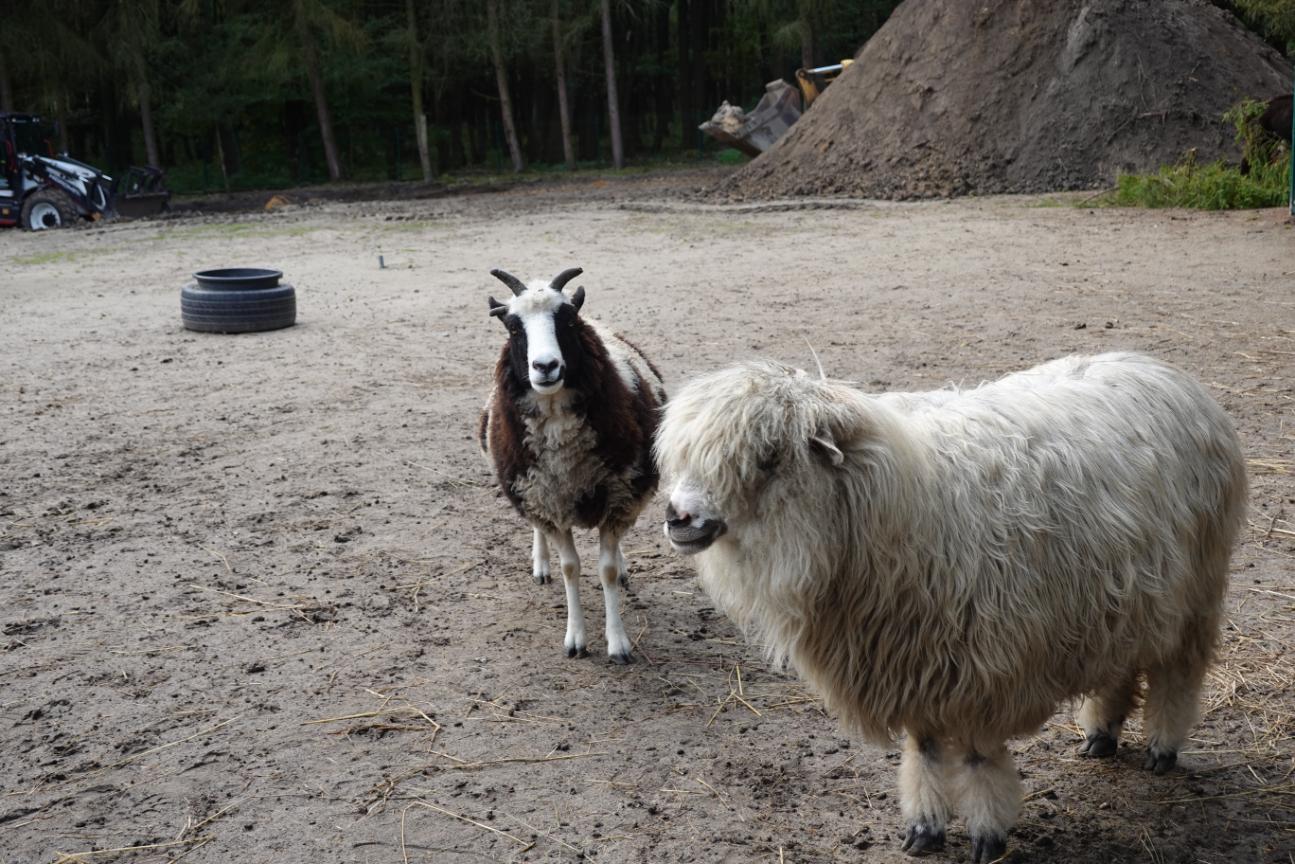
48 208
246 311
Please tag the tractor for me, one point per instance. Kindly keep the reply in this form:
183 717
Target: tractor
39 189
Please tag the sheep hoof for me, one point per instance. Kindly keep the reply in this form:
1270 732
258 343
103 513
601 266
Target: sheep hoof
922 838
577 651
1160 761
621 658
987 848
1099 745
541 578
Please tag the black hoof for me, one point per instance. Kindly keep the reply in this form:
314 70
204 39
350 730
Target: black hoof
1160 761
1099 745
922 838
541 578
578 651
624 659
988 848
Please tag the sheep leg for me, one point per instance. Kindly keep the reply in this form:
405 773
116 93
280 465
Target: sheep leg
1173 691
610 564
622 568
1101 716
540 558
575 639
989 794
923 800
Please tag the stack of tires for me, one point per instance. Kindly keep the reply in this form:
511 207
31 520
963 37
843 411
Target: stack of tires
238 300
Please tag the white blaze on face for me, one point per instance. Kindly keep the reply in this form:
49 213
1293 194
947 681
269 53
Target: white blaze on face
536 309
688 500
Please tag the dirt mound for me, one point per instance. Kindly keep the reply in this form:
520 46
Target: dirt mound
1012 96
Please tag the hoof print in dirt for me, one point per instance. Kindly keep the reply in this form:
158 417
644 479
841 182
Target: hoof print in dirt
1160 761
1098 746
922 838
988 848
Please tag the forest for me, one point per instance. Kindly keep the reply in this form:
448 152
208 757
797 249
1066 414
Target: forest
240 94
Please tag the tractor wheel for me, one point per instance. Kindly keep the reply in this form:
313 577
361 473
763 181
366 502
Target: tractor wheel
48 208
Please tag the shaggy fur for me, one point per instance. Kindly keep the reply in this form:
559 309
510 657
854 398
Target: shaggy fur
955 564
578 454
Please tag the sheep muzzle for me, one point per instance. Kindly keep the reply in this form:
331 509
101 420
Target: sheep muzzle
690 534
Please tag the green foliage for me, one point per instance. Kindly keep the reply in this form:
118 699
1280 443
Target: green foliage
1217 185
1273 19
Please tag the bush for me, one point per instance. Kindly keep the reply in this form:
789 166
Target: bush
1217 185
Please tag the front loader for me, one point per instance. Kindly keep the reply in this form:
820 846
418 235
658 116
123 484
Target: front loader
40 190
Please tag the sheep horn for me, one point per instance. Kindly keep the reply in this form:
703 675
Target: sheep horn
560 281
514 284
497 308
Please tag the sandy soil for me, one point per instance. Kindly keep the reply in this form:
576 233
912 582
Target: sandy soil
261 601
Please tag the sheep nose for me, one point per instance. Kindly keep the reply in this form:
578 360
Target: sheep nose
675 519
546 367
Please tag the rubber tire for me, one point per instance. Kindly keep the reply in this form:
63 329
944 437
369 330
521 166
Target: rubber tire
245 311
61 202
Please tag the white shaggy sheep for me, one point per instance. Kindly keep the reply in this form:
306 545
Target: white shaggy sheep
955 564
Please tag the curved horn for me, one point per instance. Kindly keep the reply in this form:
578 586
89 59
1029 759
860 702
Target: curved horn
560 281
514 284
497 308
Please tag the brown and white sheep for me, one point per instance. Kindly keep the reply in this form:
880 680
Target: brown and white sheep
569 426
955 564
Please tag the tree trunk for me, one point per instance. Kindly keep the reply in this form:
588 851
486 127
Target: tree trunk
564 110
501 80
687 134
661 81
310 56
505 100
146 120
613 104
806 41
416 88
6 86
220 160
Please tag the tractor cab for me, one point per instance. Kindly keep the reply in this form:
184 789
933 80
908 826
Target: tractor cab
40 188
19 134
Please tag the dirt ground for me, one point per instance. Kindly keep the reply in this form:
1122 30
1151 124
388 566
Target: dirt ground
262 603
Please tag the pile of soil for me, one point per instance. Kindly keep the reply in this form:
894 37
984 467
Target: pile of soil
1006 96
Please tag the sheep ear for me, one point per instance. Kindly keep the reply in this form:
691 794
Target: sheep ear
497 309
578 298
827 449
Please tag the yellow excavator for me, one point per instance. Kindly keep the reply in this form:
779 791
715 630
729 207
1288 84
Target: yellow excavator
755 131
814 81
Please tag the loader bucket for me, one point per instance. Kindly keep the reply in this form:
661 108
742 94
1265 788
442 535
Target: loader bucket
756 132
141 192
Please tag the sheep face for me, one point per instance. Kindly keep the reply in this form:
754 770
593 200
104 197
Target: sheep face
543 345
743 442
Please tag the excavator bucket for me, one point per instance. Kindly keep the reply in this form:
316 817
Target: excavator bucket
755 132
141 192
